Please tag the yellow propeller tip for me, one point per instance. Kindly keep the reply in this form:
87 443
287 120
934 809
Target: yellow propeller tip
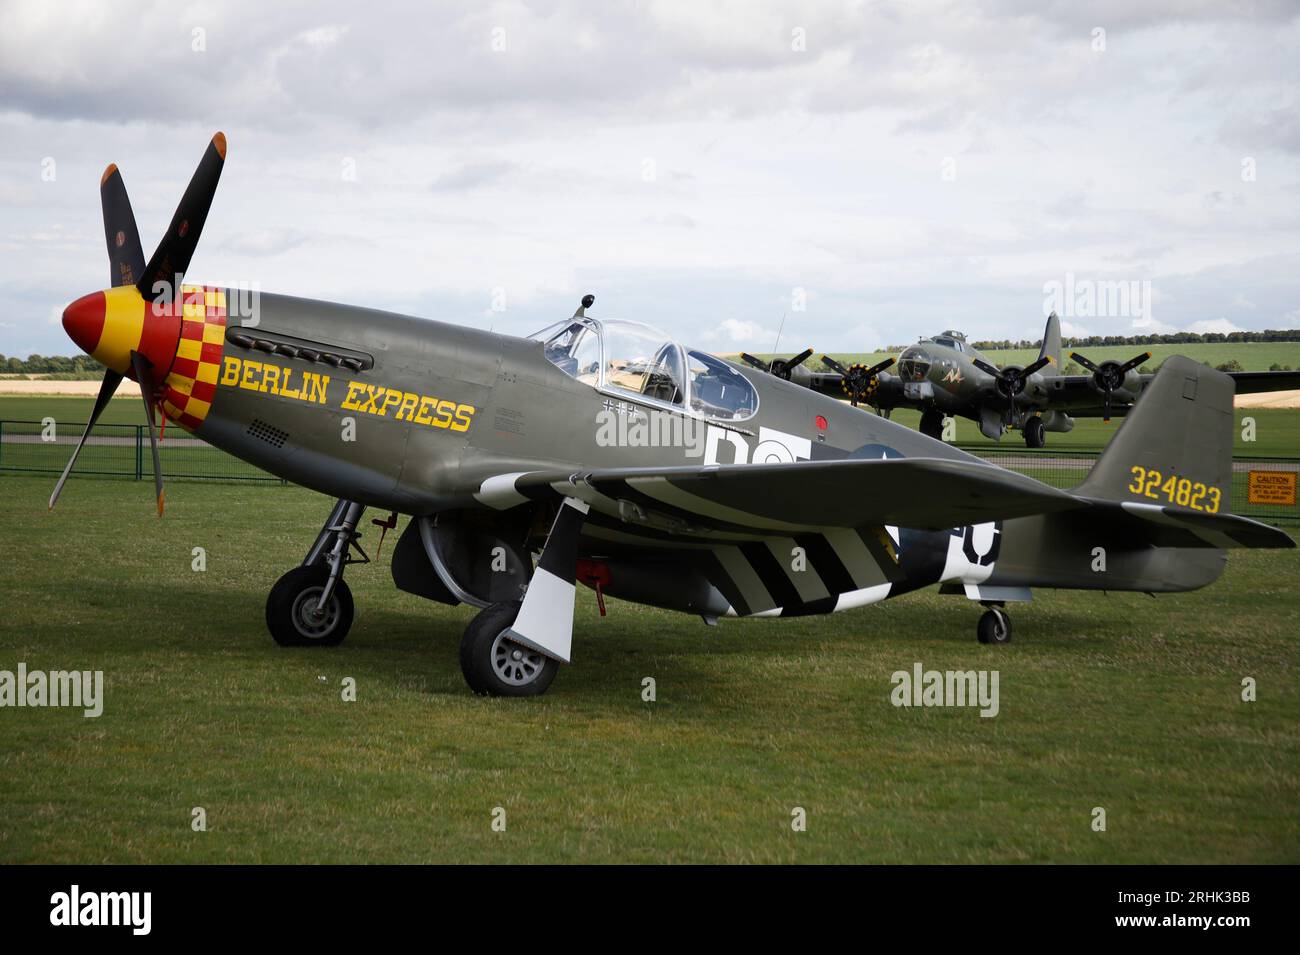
112 168
219 143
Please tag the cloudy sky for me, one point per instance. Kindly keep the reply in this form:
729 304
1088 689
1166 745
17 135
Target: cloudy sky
869 171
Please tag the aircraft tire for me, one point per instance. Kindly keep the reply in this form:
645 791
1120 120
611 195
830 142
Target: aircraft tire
495 666
288 616
932 424
1035 433
994 626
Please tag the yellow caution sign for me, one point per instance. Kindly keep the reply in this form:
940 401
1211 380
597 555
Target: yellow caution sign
1271 487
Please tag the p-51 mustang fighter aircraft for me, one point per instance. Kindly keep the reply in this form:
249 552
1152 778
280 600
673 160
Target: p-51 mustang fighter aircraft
648 470
944 375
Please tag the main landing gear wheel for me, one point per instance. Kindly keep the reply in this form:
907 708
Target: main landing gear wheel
932 424
494 665
1035 433
994 626
291 613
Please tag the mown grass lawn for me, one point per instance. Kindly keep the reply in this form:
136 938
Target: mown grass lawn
1122 702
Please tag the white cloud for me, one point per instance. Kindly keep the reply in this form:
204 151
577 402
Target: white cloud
733 331
773 168
1220 325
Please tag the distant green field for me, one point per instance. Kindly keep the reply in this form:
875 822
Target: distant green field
1120 701
121 410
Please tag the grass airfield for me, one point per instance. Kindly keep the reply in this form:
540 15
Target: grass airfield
1123 701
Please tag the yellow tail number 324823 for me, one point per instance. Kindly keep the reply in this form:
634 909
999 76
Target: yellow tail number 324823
1175 490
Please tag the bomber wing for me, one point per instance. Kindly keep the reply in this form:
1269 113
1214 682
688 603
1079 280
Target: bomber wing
1076 395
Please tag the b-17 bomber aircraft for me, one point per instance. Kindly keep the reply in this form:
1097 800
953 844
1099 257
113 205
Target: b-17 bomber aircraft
605 452
945 375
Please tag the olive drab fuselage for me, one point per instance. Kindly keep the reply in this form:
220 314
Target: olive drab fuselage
437 409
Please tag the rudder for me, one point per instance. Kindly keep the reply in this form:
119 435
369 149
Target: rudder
1181 428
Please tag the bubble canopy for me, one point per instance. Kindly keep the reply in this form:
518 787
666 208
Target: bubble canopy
639 361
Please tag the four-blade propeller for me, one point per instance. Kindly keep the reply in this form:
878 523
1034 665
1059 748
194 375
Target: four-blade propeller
159 282
1109 375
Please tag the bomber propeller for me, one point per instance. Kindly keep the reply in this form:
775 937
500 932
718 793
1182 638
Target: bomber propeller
113 331
858 381
1109 376
1011 380
781 367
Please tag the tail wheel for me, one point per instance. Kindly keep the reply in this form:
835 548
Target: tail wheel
494 665
994 626
292 613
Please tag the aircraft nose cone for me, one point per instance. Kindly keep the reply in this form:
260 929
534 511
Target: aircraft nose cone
83 320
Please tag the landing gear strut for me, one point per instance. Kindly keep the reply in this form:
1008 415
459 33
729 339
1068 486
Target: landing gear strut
994 625
311 605
932 424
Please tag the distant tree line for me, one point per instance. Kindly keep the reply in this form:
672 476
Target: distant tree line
48 365
1174 338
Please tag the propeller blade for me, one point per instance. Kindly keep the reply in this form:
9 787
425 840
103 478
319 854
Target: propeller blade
1086 363
1030 369
756 362
835 366
877 369
800 358
111 380
140 365
1132 363
171 259
125 257
985 367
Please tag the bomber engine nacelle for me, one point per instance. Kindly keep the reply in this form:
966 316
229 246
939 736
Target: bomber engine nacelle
1112 378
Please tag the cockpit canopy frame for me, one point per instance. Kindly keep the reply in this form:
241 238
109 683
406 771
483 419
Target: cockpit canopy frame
634 361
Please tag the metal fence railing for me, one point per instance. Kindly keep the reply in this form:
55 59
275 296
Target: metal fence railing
1262 488
118 450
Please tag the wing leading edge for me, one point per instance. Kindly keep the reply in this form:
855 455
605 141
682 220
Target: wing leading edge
759 500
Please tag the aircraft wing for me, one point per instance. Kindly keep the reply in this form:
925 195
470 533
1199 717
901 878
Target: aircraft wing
1254 382
1075 395
762 499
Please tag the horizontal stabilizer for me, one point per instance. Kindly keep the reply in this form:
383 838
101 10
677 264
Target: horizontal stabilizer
1178 527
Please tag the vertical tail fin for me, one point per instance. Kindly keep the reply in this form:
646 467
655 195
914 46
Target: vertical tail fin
1175 447
1051 346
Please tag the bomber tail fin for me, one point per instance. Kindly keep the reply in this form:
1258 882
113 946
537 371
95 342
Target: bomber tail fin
1051 346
